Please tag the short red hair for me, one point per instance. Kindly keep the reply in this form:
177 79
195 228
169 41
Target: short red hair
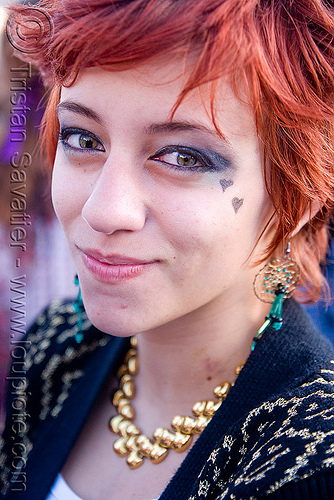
281 52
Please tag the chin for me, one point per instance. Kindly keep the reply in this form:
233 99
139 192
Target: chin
120 321
110 323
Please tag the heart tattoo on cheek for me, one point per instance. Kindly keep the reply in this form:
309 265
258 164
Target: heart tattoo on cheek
237 203
225 184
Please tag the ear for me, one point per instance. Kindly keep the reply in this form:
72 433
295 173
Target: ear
313 209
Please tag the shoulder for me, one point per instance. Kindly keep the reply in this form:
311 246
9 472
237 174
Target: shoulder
46 363
290 437
49 354
278 427
283 440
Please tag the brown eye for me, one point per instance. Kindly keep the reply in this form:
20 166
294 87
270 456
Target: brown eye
74 138
87 142
78 139
186 160
179 159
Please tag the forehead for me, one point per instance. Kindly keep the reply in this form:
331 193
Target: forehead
159 84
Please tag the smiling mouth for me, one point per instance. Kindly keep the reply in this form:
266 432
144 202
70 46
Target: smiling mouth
114 268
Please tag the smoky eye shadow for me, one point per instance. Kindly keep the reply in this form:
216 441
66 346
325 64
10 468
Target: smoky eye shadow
219 162
211 160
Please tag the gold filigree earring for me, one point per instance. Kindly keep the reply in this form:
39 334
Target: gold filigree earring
273 283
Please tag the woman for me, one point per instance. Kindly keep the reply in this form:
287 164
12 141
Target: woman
193 176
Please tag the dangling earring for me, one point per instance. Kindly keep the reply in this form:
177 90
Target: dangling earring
273 283
79 309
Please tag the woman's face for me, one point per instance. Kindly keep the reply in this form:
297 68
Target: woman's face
161 214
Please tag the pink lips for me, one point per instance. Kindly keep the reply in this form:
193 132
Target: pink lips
113 268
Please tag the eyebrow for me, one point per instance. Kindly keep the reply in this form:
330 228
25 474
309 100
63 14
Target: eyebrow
184 126
79 109
155 128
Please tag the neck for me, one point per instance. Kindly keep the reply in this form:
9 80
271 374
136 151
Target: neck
181 362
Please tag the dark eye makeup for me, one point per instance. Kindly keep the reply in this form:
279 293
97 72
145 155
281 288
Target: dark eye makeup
177 157
185 158
80 139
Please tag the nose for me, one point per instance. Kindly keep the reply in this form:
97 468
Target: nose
116 202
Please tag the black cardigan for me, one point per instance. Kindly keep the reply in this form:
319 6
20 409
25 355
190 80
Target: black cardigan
272 437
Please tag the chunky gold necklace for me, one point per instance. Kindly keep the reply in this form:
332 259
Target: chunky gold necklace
136 446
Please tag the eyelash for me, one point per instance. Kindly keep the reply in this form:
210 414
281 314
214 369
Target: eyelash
206 164
65 133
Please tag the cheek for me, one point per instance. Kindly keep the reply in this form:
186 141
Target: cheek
67 193
198 222
61 199
218 225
